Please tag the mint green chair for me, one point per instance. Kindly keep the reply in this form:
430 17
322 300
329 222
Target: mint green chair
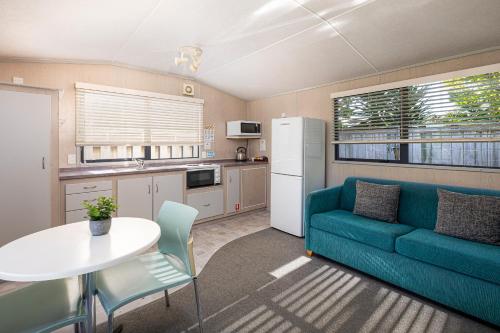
155 271
42 307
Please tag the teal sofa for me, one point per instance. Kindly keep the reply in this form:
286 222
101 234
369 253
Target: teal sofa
461 274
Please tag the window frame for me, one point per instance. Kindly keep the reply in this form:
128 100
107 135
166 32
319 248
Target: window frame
147 157
404 147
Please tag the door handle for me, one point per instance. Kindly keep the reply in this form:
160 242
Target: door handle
156 188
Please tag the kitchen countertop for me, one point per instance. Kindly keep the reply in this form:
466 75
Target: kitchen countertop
131 169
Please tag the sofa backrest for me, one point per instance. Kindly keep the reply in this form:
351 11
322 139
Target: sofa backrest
417 201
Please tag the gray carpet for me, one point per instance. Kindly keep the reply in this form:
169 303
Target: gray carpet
239 295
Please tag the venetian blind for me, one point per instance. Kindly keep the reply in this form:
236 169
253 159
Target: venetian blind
115 116
465 109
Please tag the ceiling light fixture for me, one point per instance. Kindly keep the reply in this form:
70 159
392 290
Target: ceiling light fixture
189 54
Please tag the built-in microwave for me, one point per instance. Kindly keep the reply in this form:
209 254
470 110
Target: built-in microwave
202 175
243 128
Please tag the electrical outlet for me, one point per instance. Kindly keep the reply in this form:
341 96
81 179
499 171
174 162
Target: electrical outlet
71 159
262 144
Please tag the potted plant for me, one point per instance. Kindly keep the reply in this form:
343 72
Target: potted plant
100 215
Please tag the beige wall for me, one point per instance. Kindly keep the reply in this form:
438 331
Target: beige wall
219 107
316 103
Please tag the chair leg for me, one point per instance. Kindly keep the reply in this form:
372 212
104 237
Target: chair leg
110 322
198 305
167 299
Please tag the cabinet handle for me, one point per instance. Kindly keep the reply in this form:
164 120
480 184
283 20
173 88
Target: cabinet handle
89 187
149 189
43 162
156 188
230 179
206 205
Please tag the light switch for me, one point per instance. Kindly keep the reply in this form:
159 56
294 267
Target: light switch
71 159
17 80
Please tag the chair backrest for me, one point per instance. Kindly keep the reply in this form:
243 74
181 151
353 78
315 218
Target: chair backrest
418 202
175 221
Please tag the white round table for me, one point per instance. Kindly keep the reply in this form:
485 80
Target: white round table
71 250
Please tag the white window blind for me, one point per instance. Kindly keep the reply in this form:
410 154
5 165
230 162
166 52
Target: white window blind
115 116
465 109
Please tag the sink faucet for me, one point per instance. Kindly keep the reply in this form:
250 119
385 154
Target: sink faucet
139 162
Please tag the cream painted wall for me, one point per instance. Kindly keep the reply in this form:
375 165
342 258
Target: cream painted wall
315 103
219 106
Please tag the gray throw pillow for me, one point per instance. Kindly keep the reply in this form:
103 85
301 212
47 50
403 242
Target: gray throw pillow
472 217
377 201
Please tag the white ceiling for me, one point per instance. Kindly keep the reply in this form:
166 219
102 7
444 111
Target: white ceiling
252 48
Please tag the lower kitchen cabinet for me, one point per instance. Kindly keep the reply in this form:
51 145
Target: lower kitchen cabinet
135 197
232 182
143 197
209 203
253 182
168 187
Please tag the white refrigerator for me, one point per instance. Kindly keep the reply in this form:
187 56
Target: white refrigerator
297 168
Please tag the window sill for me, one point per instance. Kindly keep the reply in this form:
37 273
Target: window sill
416 166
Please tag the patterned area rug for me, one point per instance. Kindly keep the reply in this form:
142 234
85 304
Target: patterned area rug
264 283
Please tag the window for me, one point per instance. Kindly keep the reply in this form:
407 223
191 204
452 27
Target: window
452 122
114 124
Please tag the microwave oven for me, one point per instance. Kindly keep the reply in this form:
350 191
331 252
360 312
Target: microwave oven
243 128
202 175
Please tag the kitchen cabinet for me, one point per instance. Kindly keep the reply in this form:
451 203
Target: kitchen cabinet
76 194
143 197
25 171
232 183
135 197
253 185
168 187
209 202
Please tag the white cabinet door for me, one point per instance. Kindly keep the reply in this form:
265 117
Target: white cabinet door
209 203
287 146
25 170
135 197
167 188
232 189
286 204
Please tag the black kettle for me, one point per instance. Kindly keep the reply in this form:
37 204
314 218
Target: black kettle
241 154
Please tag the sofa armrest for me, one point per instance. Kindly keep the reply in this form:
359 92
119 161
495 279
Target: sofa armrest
320 201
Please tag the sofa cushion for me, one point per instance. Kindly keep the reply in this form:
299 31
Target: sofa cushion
417 201
379 202
462 256
371 232
472 217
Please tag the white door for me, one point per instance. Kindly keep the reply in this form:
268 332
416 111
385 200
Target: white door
286 204
135 197
287 146
232 190
25 197
167 188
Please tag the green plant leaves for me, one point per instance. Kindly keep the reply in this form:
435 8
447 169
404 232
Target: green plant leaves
102 210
